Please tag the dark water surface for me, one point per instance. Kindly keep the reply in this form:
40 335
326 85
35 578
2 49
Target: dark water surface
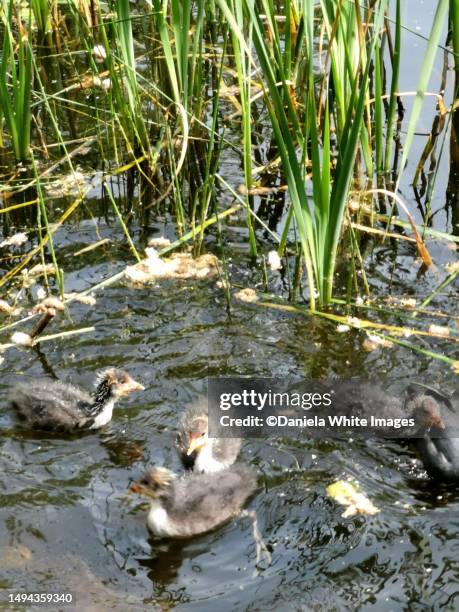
68 524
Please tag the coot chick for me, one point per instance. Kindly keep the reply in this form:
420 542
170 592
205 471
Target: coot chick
438 417
57 406
194 503
196 450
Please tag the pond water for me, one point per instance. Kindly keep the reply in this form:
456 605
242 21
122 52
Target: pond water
68 523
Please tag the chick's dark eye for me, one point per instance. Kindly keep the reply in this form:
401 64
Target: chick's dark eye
144 481
203 434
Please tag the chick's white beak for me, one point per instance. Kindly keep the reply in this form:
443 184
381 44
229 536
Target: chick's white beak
196 444
130 386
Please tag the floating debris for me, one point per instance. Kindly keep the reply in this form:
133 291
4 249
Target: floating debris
49 305
363 205
87 81
41 293
89 300
104 84
40 269
373 342
21 339
223 284
439 330
455 367
369 346
347 494
452 267
47 315
180 265
247 295
159 242
408 302
341 329
260 190
11 310
354 322
99 53
66 185
137 275
274 261
15 557
15 240
48 309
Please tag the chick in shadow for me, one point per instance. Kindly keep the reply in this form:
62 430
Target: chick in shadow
438 436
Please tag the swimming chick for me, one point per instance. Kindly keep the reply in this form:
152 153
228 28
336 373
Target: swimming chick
438 443
57 406
194 503
196 449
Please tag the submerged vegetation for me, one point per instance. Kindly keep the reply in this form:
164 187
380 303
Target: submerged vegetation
148 101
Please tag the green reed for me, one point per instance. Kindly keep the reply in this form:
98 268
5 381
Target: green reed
42 15
454 19
454 149
16 73
319 222
395 59
165 112
426 70
123 74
